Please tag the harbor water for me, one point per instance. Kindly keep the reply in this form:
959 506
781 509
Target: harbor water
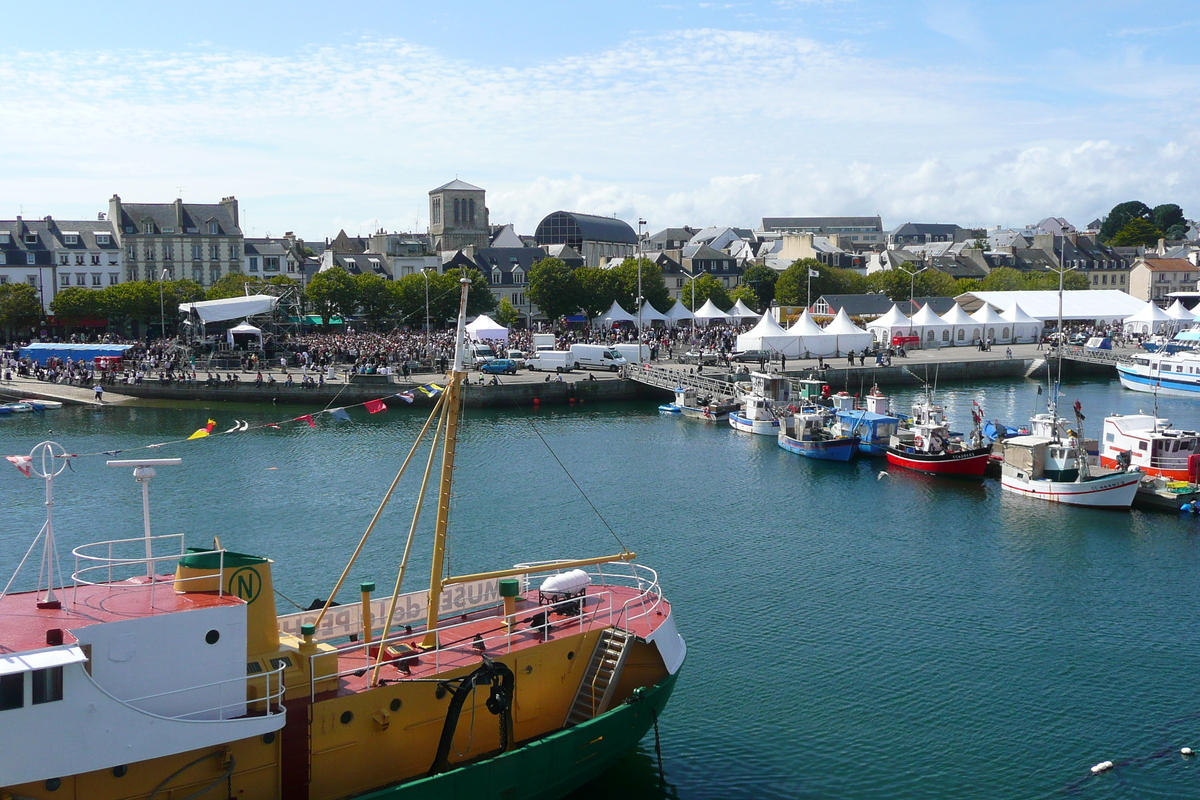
854 631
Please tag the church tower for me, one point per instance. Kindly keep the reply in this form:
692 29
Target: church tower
458 217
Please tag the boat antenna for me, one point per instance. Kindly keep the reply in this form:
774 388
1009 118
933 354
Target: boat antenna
41 462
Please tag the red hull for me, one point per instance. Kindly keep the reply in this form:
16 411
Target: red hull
970 463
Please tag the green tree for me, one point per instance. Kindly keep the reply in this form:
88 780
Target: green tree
701 289
553 288
760 280
654 288
20 308
898 283
282 280
506 314
129 301
378 299
332 292
1169 219
1136 231
481 299
595 290
791 289
1120 216
1002 279
232 284
75 303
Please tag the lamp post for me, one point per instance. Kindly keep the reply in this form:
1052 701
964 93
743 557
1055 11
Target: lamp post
912 285
425 274
640 299
162 317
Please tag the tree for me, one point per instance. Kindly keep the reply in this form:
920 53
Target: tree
760 280
506 315
1169 219
595 290
1136 232
332 292
744 293
480 300
378 299
654 288
20 307
1120 216
791 289
898 283
701 289
1002 279
553 288
232 284
75 303
132 300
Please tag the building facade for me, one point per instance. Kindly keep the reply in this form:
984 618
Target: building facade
458 217
200 241
1154 279
855 232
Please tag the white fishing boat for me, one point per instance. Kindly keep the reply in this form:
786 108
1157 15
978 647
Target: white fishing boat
1175 374
705 409
1148 442
762 405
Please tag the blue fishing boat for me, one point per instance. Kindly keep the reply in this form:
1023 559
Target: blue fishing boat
810 433
871 420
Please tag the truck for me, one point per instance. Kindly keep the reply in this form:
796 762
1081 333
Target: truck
557 360
543 341
477 355
632 352
596 356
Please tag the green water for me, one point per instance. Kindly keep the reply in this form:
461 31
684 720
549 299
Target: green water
850 636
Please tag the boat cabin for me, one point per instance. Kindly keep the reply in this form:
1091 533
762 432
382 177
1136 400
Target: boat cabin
775 388
1153 446
1040 458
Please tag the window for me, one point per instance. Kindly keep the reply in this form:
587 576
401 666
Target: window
1004 333
95 279
79 259
95 259
436 212
112 259
254 263
131 274
213 229
3 279
198 274
80 279
168 252
518 276
197 253
1104 280
457 213
233 253
214 251
64 259
518 299
3 258
70 238
961 334
5 237
114 278
66 279
271 263
214 274
147 228
12 691
32 279
496 276
1122 280
168 230
30 258
102 238
47 685
471 216
131 252
1141 445
1110 437
149 252
31 238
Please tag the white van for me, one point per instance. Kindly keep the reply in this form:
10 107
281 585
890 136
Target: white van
632 352
477 355
596 356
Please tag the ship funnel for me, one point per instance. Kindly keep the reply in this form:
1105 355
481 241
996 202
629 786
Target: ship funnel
241 575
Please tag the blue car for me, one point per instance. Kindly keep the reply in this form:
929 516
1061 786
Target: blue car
500 365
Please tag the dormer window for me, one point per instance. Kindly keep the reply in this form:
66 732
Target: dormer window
5 237
31 238
518 276
213 230
168 230
497 277
70 238
102 238
148 228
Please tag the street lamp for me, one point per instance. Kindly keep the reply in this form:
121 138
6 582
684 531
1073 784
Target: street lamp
162 317
640 299
912 285
425 274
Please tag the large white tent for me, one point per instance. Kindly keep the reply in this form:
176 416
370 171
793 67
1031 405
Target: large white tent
1077 304
650 314
1179 312
709 312
1025 329
677 313
768 335
965 330
614 315
933 330
849 337
244 329
484 327
741 311
1151 319
230 307
996 329
813 340
893 323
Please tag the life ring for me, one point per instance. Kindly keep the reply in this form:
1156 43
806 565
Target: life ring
917 441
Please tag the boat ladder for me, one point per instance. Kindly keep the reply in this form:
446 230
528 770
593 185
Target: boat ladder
600 678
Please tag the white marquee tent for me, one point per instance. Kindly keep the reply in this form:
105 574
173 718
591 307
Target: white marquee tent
709 312
965 329
849 337
813 339
996 329
768 335
1179 311
1078 304
1025 329
244 329
741 311
484 327
614 315
1151 319
230 307
893 323
677 313
650 314
933 330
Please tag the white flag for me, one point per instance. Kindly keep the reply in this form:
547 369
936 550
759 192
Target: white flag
812 273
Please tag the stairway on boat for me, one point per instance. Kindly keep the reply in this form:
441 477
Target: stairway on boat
600 678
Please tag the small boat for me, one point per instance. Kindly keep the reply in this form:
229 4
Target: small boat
871 420
44 404
669 408
927 446
18 408
761 405
706 409
810 432
1057 470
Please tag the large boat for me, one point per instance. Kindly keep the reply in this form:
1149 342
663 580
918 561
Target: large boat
810 432
926 445
1149 443
1176 374
870 419
762 405
164 671
1057 470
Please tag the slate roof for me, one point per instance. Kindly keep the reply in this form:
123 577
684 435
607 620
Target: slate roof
457 185
704 253
193 218
857 305
926 228
506 259
796 223
265 247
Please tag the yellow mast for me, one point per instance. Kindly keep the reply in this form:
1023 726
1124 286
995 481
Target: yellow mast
453 401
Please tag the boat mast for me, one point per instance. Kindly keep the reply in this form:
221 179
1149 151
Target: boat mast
453 403
1062 268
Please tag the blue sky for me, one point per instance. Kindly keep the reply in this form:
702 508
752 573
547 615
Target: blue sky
322 116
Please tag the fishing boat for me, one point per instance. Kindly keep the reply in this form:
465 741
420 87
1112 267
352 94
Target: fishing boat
1057 470
17 408
810 432
926 445
1176 374
164 671
1149 443
762 405
871 420
705 409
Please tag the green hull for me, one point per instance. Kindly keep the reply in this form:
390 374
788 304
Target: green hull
548 768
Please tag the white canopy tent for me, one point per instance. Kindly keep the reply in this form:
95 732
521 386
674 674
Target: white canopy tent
768 335
996 329
1180 312
893 323
933 330
814 340
677 313
965 330
1151 319
848 336
484 327
244 329
1077 304
1025 329
741 311
650 314
614 315
709 312
230 307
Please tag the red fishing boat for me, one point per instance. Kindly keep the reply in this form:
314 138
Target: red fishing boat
926 445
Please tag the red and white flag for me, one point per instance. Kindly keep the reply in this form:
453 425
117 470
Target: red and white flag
23 463
307 418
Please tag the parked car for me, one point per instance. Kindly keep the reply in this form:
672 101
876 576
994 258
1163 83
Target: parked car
751 356
498 366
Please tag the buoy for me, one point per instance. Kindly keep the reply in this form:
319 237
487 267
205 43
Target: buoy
537 401
572 401
1103 766
1185 751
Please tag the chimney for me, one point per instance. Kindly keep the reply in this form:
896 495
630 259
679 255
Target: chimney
179 214
231 205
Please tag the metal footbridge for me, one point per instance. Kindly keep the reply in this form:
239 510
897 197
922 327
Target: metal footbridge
1086 356
670 378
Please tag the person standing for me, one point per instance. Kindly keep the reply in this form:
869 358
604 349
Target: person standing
99 390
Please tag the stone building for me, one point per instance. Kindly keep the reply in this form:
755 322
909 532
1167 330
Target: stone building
1154 279
458 217
201 241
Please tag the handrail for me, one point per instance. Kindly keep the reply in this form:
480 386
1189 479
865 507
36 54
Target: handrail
271 699
110 562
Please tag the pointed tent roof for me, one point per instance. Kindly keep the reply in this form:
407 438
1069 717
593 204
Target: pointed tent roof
894 318
651 314
484 327
767 326
926 316
1151 313
617 314
678 311
804 326
741 311
987 315
956 316
1179 311
842 324
456 184
710 311
1016 314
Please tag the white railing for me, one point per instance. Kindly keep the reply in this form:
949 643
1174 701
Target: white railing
594 607
239 704
105 567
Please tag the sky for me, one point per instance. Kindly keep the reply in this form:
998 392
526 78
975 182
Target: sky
327 116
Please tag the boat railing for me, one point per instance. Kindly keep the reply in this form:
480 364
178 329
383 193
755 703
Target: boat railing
106 563
258 695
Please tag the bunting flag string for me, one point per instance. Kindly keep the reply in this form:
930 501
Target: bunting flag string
374 406
339 413
407 397
205 431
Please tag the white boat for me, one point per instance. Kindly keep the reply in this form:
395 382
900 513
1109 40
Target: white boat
1149 443
34 402
18 408
1175 374
706 409
762 405
1057 470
